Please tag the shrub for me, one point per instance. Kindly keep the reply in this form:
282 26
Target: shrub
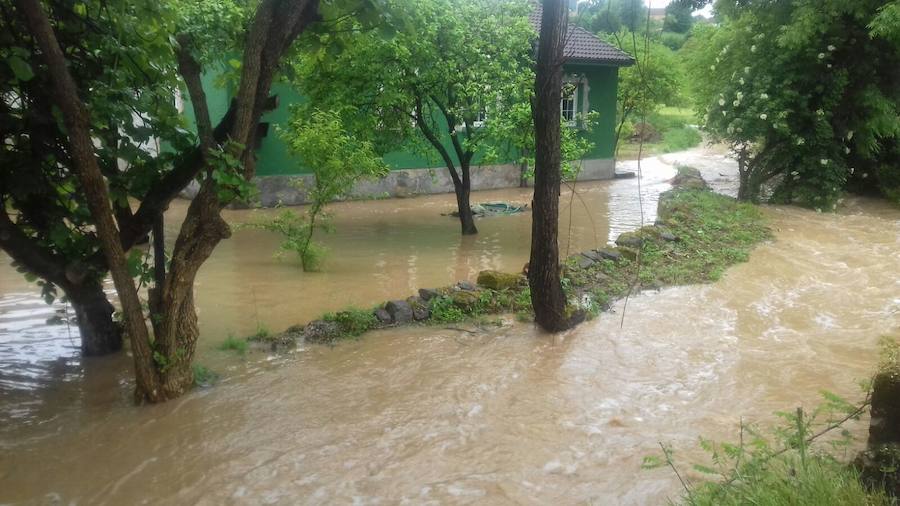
353 322
232 343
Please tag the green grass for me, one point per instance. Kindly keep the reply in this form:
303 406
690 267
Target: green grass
672 124
353 321
785 481
232 343
203 376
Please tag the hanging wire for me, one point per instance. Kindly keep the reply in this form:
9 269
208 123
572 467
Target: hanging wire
641 67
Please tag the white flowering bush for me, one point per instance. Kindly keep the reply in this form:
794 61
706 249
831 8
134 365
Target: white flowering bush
804 92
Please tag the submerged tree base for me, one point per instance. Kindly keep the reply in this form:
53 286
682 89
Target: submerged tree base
697 236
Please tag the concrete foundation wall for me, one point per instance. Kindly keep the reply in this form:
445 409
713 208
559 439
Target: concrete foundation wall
289 190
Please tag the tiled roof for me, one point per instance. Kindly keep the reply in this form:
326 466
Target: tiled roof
583 46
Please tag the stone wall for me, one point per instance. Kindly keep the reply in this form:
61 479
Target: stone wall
288 190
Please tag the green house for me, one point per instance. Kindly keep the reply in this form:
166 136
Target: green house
591 70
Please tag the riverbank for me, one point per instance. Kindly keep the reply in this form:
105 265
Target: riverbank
697 235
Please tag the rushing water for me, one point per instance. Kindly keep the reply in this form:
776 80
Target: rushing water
434 415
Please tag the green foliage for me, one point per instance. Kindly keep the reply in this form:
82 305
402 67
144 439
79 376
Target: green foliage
232 343
465 100
681 138
443 310
805 94
353 321
203 376
679 18
794 464
337 160
610 16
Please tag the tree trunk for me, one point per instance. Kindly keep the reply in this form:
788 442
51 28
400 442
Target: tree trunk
100 335
463 190
547 296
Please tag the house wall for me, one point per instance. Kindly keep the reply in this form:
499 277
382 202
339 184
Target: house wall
282 176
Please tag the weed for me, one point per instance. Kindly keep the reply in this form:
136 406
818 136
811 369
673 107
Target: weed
203 376
353 321
443 310
232 343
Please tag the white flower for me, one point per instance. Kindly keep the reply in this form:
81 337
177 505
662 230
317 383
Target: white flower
831 48
763 116
846 150
801 141
764 96
865 175
824 161
821 55
730 130
718 60
794 173
849 135
753 48
724 113
739 129
820 112
829 65
739 95
741 80
746 70
851 170
712 67
721 101
736 103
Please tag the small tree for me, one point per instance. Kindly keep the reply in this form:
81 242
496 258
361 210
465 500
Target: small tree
435 82
337 160
805 93
654 79
221 159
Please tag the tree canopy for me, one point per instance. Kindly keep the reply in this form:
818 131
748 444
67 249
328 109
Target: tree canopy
806 92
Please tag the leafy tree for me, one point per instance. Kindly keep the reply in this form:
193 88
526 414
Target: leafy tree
679 18
806 94
337 160
451 70
611 16
653 81
98 153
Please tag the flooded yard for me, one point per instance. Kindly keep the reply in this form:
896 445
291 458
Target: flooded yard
431 415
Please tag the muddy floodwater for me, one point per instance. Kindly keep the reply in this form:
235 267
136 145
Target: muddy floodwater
431 415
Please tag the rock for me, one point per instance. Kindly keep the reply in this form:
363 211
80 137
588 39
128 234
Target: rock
467 285
689 178
464 300
496 280
624 175
400 311
665 206
884 427
427 294
630 240
321 331
665 235
593 255
584 262
382 315
609 254
629 253
419 308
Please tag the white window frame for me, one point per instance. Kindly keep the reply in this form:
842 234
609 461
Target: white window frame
580 103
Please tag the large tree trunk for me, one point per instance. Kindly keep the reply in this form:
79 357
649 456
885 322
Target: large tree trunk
547 296
163 366
463 191
100 335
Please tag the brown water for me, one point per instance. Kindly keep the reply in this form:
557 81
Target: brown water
431 415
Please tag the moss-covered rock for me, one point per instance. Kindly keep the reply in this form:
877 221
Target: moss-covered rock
496 280
689 178
630 240
464 299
